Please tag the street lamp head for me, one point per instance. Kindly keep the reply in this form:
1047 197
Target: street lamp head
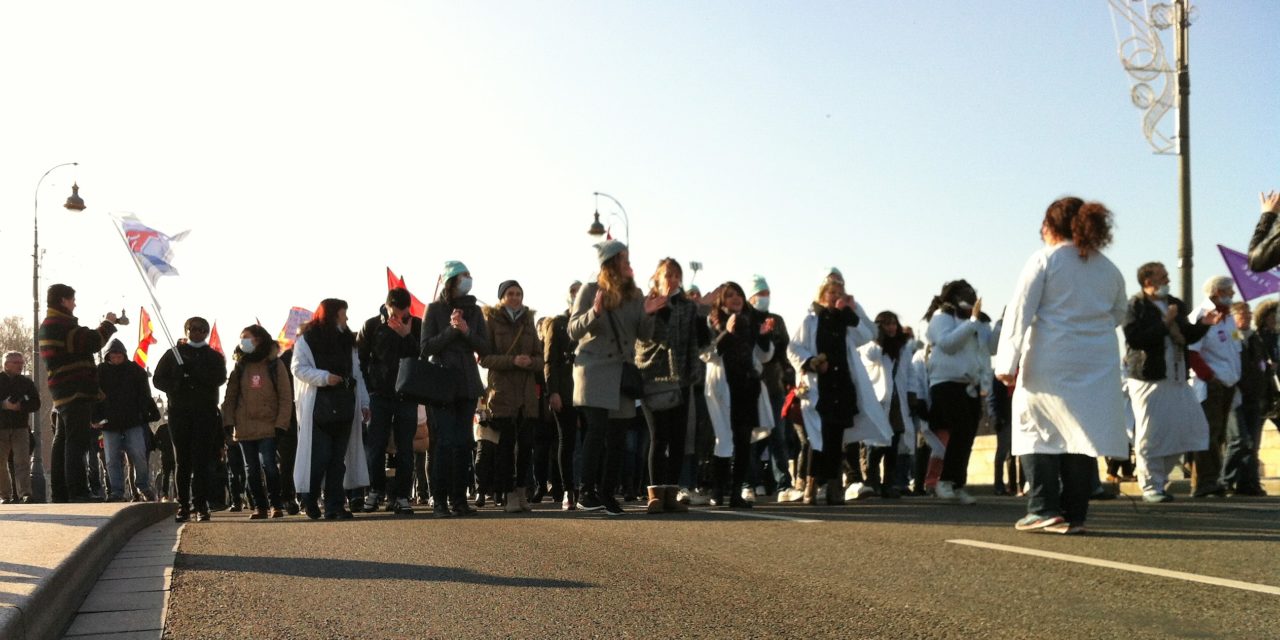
596 229
74 201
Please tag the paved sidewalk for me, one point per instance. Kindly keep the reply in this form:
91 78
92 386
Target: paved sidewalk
51 556
132 594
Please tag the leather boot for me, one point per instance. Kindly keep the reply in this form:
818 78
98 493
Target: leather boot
656 495
835 492
719 497
670 501
811 491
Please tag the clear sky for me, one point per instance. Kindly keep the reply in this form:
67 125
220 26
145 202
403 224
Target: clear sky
309 145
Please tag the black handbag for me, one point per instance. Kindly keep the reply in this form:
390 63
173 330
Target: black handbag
426 382
334 405
632 382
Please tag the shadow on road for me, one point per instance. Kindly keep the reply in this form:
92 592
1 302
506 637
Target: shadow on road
363 570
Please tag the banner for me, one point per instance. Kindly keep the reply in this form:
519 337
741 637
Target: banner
1251 284
297 317
146 338
151 248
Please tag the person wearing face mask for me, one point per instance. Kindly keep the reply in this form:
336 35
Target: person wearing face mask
609 316
192 388
959 374
558 349
1215 363
330 456
1240 471
779 377
453 334
667 364
513 361
257 406
383 340
1059 339
1167 419
123 416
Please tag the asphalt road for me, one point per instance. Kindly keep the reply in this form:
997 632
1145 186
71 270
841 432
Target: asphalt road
874 569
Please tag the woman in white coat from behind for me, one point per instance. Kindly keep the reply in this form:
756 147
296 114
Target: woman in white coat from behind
1059 339
330 449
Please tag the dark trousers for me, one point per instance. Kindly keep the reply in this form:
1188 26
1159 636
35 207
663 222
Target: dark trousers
1240 471
828 464
804 457
71 442
259 460
287 455
329 463
666 441
601 450
515 452
1206 466
874 458
567 442
953 410
545 457
236 475
776 445
744 416
197 440
486 463
1060 484
394 420
452 441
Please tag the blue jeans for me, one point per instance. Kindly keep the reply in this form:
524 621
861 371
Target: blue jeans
260 459
391 418
328 464
1060 484
131 442
1240 471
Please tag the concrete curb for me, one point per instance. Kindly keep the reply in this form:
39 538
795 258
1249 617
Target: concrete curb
53 604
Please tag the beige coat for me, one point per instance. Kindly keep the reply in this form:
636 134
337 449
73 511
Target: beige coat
253 404
512 389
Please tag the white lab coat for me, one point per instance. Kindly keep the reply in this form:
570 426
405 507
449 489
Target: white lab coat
717 391
870 426
1059 335
880 370
306 379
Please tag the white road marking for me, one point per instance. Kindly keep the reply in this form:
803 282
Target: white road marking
764 516
1124 566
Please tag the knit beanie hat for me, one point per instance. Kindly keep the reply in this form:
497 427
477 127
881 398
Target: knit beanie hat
834 274
502 288
758 284
453 268
608 249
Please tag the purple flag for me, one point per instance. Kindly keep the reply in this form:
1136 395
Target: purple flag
1252 285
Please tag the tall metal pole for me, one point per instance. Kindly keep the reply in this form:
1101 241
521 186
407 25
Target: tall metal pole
1181 22
38 488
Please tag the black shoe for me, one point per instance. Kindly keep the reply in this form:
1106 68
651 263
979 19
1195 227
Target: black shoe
611 506
331 515
312 509
480 500
441 511
237 507
736 502
291 508
538 495
183 515
589 501
463 510
890 493
202 516
345 515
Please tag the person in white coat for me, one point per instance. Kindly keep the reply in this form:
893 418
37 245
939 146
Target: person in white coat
331 454
736 398
1217 368
837 400
1059 340
888 363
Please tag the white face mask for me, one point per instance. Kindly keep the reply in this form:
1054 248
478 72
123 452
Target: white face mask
203 343
464 286
762 303
1225 301
965 305
1162 291
246 345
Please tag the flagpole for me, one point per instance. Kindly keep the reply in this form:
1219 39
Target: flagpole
147 283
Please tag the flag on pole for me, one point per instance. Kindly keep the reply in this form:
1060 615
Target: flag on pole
151 248
417 308
215 342
297 317
146 338
1250 283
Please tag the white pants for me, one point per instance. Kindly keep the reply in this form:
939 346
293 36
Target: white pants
1153 472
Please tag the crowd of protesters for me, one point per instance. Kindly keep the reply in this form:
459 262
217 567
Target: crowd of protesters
650 390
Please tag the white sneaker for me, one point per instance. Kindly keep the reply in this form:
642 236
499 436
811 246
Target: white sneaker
945 490
697 498
857 490
790 495
748 494
963 497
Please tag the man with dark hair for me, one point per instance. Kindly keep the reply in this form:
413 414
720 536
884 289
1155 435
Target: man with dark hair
18 400
190 374
67 349
383 340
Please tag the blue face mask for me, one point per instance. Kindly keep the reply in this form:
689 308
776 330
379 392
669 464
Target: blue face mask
464 286
246 345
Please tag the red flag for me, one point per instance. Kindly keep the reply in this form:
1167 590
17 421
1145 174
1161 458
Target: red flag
417 308
146 338
215 342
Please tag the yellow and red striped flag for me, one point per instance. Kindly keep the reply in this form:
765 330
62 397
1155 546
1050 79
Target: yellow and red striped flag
146 338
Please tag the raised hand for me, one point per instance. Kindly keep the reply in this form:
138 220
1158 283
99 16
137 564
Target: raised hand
977 308
654 303
1270 201
766 327
458 322
732 325
598 304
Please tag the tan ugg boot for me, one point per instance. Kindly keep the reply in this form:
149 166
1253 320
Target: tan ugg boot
811 491
669 501
656 494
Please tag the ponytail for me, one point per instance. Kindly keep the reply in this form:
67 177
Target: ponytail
1086 224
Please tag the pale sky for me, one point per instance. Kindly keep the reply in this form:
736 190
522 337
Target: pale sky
308 146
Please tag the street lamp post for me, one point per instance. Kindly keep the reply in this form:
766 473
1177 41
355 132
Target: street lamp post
39 489
597 229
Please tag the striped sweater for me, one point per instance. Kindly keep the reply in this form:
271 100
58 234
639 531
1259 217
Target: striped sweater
67 349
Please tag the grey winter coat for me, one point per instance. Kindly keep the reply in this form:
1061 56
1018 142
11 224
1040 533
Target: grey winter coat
597 364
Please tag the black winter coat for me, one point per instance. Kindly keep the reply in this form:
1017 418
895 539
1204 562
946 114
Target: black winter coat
381 349
193 384
1144 335
447 346
22 390
128 401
